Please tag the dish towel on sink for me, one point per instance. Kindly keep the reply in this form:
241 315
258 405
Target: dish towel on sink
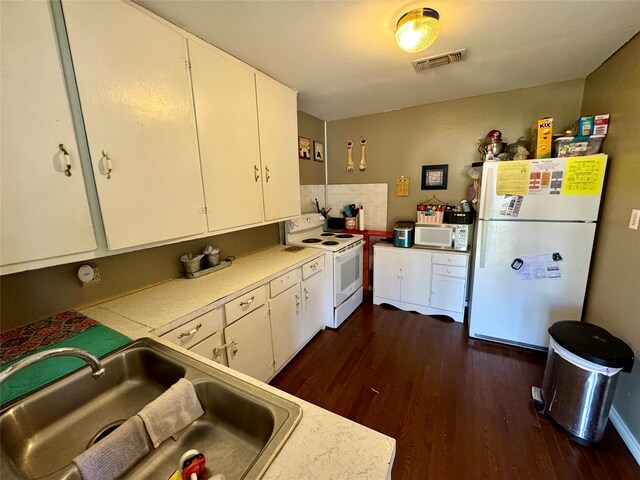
116 453
172 411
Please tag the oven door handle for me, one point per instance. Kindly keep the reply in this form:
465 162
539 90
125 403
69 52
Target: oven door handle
348 251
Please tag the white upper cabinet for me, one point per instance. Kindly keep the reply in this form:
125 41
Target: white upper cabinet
44 212
278 127
135 92
225 99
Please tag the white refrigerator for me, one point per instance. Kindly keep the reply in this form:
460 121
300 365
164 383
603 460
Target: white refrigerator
532 251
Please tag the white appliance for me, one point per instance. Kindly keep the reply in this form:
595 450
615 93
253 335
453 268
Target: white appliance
343 264
532 251
447 236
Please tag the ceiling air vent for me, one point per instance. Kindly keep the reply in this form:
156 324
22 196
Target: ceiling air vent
439 60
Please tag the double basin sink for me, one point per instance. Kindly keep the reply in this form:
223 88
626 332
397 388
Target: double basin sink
241 431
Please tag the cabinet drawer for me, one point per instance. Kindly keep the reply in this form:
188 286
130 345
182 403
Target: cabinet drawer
450 271
283 282
450 259
196 330
312 267
208 348
248 302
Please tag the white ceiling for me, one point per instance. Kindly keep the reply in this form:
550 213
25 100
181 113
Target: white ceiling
342 58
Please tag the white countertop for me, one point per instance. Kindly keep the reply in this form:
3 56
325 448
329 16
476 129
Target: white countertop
323 445
159 307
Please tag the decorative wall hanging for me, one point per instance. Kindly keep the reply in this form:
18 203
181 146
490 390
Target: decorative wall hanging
304 148
434 177
363 163
318 151
402 186
350 164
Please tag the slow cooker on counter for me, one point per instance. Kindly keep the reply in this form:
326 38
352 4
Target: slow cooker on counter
403 234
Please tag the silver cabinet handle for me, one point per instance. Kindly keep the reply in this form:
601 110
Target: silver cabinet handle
314 266
266 174
255 173
67 160
306 294
248 302
108 167
190 332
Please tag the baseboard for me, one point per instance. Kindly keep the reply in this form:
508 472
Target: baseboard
627 437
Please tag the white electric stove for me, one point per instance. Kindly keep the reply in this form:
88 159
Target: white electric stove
343 264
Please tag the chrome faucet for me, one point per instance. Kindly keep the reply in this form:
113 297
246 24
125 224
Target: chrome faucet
92 361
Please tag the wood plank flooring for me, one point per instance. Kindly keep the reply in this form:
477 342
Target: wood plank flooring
458 408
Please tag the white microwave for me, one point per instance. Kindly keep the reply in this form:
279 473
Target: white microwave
442 235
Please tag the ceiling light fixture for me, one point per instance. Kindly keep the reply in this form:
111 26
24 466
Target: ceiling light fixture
417 29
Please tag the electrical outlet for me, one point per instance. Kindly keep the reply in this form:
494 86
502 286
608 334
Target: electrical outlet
635 218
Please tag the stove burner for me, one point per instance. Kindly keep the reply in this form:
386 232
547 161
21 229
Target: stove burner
344 235
327 234
330 242
311 240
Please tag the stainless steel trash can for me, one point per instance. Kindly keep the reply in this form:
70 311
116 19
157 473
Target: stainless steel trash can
580 377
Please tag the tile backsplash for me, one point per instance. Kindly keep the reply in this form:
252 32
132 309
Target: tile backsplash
372 196
308 193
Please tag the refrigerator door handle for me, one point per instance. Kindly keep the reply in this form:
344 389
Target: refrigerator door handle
482 238
488 184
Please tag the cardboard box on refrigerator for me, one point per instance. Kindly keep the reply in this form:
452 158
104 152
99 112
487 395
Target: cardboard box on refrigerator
542 138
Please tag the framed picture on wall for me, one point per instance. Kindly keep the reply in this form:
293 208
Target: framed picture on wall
434 177
318 151
304 148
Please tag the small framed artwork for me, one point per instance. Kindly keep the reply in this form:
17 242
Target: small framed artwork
304 148
434 177
318 151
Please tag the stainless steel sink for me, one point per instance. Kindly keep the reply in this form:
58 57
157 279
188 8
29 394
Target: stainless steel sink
240 433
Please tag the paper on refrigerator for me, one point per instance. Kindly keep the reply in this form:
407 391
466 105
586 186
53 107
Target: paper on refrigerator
540 267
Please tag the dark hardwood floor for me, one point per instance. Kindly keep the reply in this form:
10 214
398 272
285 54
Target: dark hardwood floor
458 408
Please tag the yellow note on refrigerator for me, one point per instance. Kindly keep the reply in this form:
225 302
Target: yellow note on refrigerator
513 178
583 175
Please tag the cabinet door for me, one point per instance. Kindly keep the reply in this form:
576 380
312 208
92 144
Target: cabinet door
386 281
133 79
416 275
313 304
209 349
447 293
278 124
286 325
252 353
225 99
44 212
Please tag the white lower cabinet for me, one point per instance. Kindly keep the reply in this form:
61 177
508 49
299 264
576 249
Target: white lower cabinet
313 304
287 333
421 280
402 275
259 331
249 348
212 349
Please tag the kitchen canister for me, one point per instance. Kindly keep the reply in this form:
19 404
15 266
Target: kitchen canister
212 255
191 263
350 223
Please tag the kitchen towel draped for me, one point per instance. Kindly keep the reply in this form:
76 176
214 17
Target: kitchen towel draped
116 453
171 411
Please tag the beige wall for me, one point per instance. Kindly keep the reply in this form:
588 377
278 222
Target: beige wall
400 142
311 172
613 299
29 296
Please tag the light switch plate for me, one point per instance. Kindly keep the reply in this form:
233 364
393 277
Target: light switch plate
635 218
